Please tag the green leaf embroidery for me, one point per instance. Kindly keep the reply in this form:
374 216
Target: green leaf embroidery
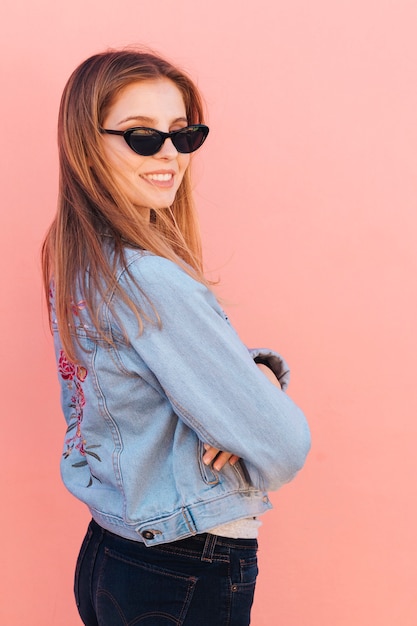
80 464
93 454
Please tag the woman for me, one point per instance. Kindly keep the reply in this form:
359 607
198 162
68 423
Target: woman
175 433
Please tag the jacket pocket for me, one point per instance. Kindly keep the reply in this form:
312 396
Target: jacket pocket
242 473
209 476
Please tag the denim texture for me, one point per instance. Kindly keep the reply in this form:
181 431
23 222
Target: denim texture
199 581
139 412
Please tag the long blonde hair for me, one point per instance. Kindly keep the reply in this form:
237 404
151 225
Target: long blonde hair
90 203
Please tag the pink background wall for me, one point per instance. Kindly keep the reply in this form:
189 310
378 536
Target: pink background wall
307 194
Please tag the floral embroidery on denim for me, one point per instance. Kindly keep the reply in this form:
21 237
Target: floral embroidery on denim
75 375
78 306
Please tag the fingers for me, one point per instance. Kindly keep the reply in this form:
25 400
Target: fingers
221 459
218 457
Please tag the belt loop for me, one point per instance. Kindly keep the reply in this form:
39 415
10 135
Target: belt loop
208 550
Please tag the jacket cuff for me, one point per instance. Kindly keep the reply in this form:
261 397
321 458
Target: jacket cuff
275 362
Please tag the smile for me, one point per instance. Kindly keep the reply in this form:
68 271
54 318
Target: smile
161 178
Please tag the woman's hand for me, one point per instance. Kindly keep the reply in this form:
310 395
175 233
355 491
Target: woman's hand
218 457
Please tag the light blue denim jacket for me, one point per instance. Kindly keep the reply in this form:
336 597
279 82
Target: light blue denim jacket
138 414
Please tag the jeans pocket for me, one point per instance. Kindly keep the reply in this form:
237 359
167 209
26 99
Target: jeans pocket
243 591
79 564
131 591
248 570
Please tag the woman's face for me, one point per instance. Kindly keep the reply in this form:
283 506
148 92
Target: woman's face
148 181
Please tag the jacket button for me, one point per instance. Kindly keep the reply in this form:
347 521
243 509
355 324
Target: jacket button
147 534
265 499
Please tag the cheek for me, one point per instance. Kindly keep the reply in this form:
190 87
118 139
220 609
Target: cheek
121 160
184 162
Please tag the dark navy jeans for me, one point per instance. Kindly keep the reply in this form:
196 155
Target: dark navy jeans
201 581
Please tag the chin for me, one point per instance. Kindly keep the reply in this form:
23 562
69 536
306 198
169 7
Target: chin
162 202
158 200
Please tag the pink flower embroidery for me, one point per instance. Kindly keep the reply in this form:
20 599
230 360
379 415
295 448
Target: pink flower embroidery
65 367
78 306
78 399
68 370
75 375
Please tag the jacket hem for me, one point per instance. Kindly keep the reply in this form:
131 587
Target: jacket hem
188 520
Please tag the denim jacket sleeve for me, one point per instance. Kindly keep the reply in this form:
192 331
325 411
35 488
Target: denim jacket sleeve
207 373
275 362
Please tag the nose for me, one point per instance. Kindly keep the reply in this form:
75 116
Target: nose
168 150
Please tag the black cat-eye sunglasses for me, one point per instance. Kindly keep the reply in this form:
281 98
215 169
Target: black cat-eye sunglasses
148 141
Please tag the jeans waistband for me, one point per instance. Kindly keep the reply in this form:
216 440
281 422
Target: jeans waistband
206 546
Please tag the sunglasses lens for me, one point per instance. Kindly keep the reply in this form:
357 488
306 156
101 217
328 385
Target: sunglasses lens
145 141
190 138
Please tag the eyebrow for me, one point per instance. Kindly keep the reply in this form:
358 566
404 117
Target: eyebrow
149 120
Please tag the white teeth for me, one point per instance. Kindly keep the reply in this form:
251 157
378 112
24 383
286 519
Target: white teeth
159 177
